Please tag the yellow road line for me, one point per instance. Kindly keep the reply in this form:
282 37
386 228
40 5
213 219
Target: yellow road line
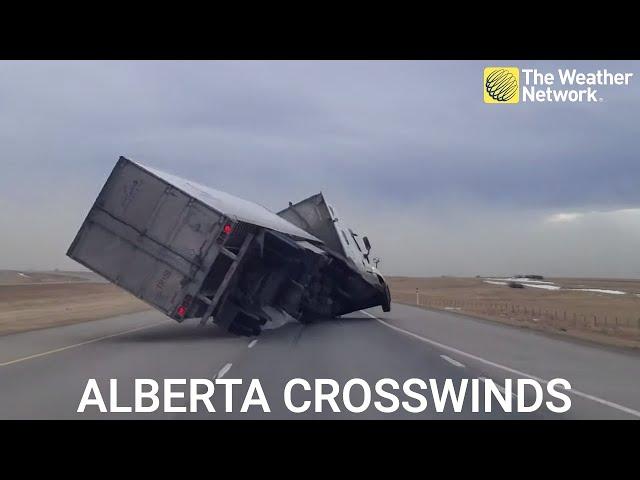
93 340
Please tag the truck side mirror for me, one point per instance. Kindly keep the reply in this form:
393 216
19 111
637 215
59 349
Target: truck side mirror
367 244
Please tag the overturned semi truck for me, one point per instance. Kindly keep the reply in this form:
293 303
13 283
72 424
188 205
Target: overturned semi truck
194 252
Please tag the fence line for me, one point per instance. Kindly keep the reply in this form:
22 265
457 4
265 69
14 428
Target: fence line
514 311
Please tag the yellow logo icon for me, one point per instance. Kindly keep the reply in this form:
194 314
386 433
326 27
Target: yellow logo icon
501 85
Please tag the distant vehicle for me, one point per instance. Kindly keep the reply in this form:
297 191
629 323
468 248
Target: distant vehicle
194 252
515 285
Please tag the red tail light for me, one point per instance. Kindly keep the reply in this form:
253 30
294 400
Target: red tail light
181 311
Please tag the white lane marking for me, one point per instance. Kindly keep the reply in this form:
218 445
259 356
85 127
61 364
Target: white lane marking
578 393
500 387
62 349
253 342
32 284
452 361
223 370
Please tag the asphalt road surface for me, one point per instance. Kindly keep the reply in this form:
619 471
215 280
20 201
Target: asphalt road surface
43 373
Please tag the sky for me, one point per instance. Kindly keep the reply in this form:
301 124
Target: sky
407 151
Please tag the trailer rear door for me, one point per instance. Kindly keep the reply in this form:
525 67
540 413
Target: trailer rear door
148 237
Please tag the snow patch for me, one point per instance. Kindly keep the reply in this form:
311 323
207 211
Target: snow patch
598 290
545 287
531 283
550 285
523 280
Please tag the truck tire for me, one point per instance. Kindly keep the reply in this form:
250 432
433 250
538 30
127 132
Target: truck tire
386 306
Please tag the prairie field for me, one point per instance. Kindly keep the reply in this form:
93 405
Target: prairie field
597 309
44 300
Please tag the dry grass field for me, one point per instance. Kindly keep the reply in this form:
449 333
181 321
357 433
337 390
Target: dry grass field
603 317
15 277
40 305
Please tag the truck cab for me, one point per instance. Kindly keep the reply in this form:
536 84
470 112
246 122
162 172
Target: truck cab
319 218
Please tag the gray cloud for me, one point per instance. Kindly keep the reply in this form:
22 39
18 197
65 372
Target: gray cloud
407 150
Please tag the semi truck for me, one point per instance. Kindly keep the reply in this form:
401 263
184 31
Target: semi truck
191 251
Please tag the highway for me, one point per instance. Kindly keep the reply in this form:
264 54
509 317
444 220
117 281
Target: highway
43 373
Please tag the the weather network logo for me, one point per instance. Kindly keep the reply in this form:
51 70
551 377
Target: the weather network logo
501 85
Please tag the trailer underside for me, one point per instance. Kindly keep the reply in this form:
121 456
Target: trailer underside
279 279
